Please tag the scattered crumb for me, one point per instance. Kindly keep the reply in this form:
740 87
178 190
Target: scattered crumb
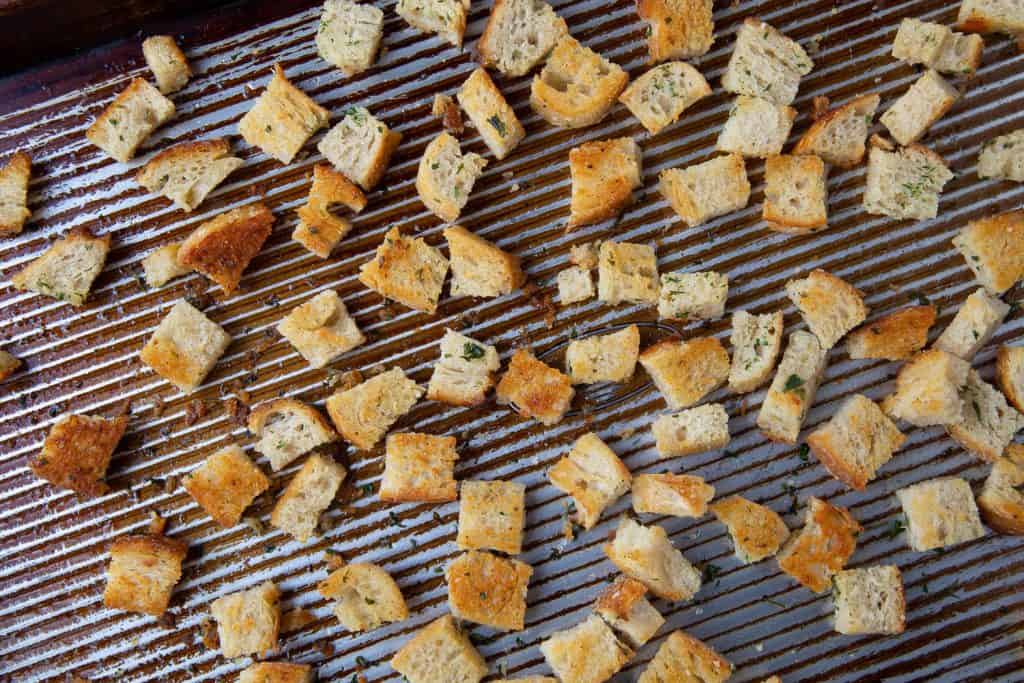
254 523
208 630
334 560
157 524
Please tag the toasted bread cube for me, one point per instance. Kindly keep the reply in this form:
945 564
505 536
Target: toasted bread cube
927 100
225 485
248 622
684 658
349 35
492 116
973 325
366 597
492 515
858 440
577 86
419 468
696 430
593 475
792 391
869 600
604 175
222 248
161 265
142 573
693 296
464 372
321 329
364 413
446 176
130 119
479 268
519 35
646 553
308 494
624 606
320 230
1001 500
928 390
940 512
282 120
756 128
77 451
686 371
757 531
895 336
795 194
14 178
586 653
574 285
67 270
277 672
534 389
167 62
756 342
585 255
905 183
704 191
677 29
937 47
287 429
678 495
185 346
627 273
408 270
440 653
839 136
360 146
488 590
994 249
992 16
1010 374
446 18
1003 157
765 64
660 96
604 357
822 547
830 306
988 424
8 365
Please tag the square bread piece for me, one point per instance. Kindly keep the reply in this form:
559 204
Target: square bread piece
489 590
349 35
577 87
446 18
574 285
994 249
696 430
277 672
822 547
586 653
319 229
66 271
407 270
534 389
625 607
603 357
927 100
519 34
937 47
856 442
940 512
895 336
1003 157
142 573
991 16
492 515
593 475
225 485
445 177
248 622
757 532
130 119
185 346
829 305
161 265
282 120
491 115
222 248
905 183
604 175
464 371
479 267
360 146
1010 374
677 495
677 29
187 172
928 390
365 597
440 653
646 553
364 413
988 424
1002 498
792 391
661 94
756 128
707 190
627 273
686 371
321 329
287 429
419 468
795 194
684 658
756 342
14 179
839 135
692 296
309 493
765 63
167 62
973 326
869 600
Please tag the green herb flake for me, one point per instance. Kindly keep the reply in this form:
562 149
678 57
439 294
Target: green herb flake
498 125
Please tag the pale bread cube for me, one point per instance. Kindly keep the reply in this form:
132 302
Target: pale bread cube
646 553
142 573
492 515
677 29
319 229
131 118
905 183
928 390
534 389
519 34
288 428
895 336
1010 374
349 34
282 120
308 494
940 513
973 326
756 128
937 47
1003 157
464 372
994 249
167 62
625 607
829 305
479 267
365 597
586 653
185 346
684 658
692 296
627 273
757 531
707 190
445 177
856 442
161 265
321 329
593 475
1001 500
407 270
696 430
795 194
14 179
686 371
992 16
924 103
248 622
440 653
419 468
756 343
604 175
839 136
489 590
822 547
574 285
364 413
226 484
765 63
222 248
277 672
988 424
360 146
577 87
677 495
585 255
492 116
604 357
869 600
661 94
446 18
792 390
67 270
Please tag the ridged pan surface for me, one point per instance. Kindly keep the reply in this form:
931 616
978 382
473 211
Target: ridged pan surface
963 605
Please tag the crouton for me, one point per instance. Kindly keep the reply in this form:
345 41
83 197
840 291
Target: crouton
534 389
248 622
319 229
839 136
1001 500
994 249
829 305
1010 374
446 18
585 255
488 590
593 475
765 64
14 178
519 34
185 346
142 573
574 285
704 191
973 325
577 86
446 177
792 390
464 371
282 120
660 96
692 296
757 531
321 329
857 441
479 268
419 468
625 607
756 128
905 183
492 116
360 146
646 553
992 16
349 35
684 658
491 516
940 512
287 429
8 365
604 175
309 493
222 248
277 672
66 271
365 597
440 653
937 47
225 485
822 547
927 100
77 451
364 413
696 430
161 265
408 270
1003 157
869 600
795 194
678 495
167 62
586 653
686 371
895 336
756 342
130 119
677 29
928 390
627 273
603 357
987 424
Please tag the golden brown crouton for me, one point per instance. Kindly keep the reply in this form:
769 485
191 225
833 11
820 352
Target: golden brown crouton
225 484
419 468
287 429
686 371
77 451
222 248
309 493
277 672
858 440
604 175
408 270
14 178
646 553
187 172
994 250
795 193
604 357
928 389
67 270
167 62
161 265
185 346
364 413
248 622
320 230
793 388
492 116
130 119
142 573
677 29
869 600
824 545
479 268
1010 374
695 430
360 145
519 34
1001 500
830 306
940 512
488 590
627 610
577 86
492 515
593 475
534 389
627 273
684 658
895 336
678 495
445 177
440 653
321 329
586 653
757 531
282 119
839 136
464 372
365 596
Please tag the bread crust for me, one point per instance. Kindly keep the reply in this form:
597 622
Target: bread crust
489 590
604 175
822 547
226 484
1010 374
222 248
142 573
534 389
757 531
77 451
894 336
14 179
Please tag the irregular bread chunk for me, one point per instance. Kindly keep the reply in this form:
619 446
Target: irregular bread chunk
67 270
479 267
660 96
577 86
686 371
167 62
927 101
364 413
693 296
489 590
446 18
756 128
365 597
1003 157
586 653
795 194
225 485
792 391
994 249
519 34
829 305
534 389
905 183
604 175
895 336
185 346
677 29
248 622
309 493
937 47
765 64
646 553
142 573
492 116
491 516
988 424
928 390
684 658
992 16
446 176
757 531
696 430
604 357
856 442
822 547
77 451
360 146
940 512
1010 374
839 136
277 672
869 600
1001 500
624 606
222 248
440 653
321 329
756 342
349 35
627 273
593 475
707 190
319 229
408 270
419 468
973 326
130 119
161 265
14 178
464 372
287 429
678 495
282 120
